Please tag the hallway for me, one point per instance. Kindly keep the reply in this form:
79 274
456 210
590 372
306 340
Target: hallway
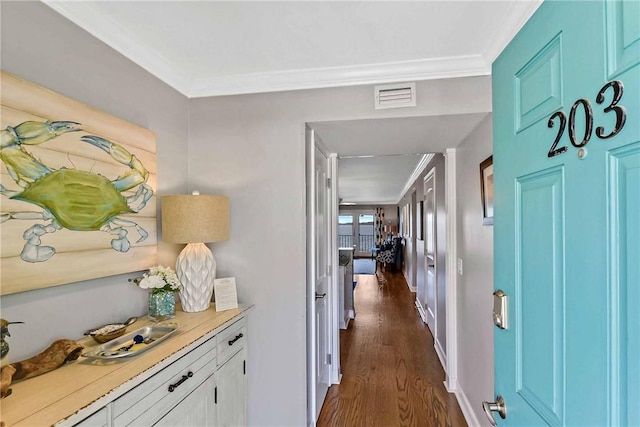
391 373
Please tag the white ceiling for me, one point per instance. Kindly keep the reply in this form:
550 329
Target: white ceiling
210 48
384 137
375 180
372 167
206 48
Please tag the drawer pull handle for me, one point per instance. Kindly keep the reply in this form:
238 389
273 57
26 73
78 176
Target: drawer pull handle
180 381
231 342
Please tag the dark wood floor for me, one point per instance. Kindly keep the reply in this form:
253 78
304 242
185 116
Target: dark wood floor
391 373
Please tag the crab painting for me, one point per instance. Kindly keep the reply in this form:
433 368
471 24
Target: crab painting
70 198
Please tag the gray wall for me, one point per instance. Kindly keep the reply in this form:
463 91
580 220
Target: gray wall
41 46
475 285
248 147
441 239
251 147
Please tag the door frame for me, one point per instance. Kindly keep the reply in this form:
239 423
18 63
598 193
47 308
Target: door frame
310 143
334 282
451 255
450 361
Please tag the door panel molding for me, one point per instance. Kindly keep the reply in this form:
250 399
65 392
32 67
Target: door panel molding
540 254
623 36
624 275
531 103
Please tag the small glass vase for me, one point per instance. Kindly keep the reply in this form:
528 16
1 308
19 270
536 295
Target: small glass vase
162 305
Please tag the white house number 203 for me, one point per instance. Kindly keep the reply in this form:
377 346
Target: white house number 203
619 110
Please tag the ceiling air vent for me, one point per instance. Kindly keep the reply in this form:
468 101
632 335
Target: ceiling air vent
395 95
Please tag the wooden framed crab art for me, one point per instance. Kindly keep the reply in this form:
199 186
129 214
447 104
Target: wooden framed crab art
77 190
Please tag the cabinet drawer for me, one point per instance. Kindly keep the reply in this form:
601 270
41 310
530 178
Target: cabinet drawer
230 341
151 400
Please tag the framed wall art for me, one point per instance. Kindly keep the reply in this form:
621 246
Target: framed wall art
78 190
486 190
420 220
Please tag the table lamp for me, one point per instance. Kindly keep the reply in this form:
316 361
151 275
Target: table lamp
195 220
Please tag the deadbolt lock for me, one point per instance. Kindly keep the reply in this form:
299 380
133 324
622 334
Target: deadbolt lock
500 309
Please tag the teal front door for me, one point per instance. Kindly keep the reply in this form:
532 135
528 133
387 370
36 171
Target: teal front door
566 111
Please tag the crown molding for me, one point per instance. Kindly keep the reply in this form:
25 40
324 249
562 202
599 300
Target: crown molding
83 14
420 167
518 14
391 72
347 205
117 37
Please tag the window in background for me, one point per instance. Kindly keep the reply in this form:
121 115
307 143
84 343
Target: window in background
366 235
345 231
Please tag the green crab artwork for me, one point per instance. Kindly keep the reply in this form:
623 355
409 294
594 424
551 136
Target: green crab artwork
70 198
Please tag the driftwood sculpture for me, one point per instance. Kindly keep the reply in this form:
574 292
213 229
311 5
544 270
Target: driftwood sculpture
58 353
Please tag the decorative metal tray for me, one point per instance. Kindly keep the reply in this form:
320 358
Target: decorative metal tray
133 343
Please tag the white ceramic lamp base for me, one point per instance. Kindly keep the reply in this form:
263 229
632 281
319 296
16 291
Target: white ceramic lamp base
196 269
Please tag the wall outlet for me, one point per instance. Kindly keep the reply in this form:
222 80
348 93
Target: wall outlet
460 266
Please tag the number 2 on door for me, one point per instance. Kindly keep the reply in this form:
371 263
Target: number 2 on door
621 117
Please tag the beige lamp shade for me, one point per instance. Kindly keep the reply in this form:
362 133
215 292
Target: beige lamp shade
195 218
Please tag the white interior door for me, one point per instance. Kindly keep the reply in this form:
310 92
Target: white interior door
429 302
413 253
318 265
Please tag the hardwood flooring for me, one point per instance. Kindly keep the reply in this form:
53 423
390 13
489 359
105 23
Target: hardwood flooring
391 375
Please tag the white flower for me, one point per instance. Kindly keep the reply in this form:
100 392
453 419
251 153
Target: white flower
152 282
157 278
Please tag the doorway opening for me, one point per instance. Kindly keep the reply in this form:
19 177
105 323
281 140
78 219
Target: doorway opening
356 227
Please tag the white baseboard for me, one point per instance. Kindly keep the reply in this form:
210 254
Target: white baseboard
441 355
421 312
409 284
338 380
431 320
348 315
346 322
467 408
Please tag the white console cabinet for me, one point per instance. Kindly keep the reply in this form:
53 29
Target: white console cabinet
197 409
219 401
232 391
198 377
346 308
